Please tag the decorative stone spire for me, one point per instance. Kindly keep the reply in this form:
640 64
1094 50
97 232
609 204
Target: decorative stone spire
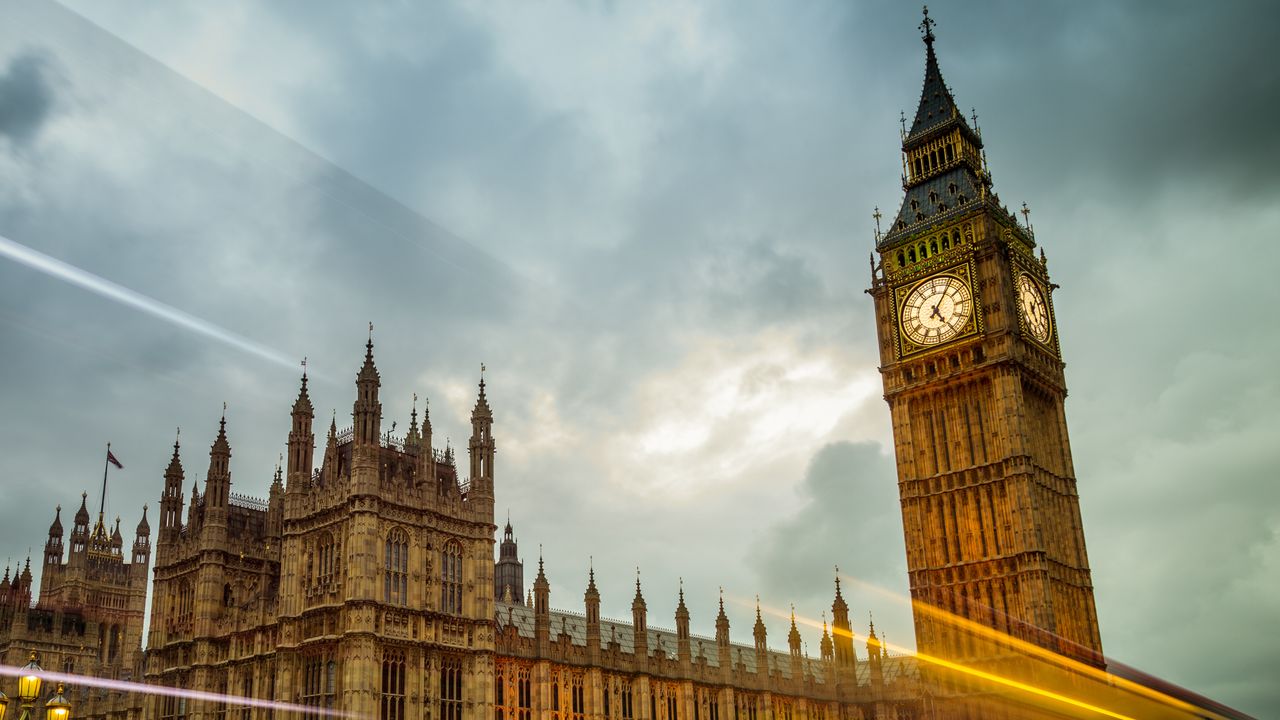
591 599
639 623
541 608
171 496
842 629
53 546
793 637
825 646
217 482
142 539
482 447
302 440
762 646
682 628
367 411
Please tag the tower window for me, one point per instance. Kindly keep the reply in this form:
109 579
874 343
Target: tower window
918 169
396 569
902 261
933 246
451 578
955 236
911 254
952 188
933 197
450 689
392 706
946 242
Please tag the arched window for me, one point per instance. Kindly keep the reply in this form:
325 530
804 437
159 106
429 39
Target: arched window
327 558
227 598
392 706
396 577
902 260
451 688
451 578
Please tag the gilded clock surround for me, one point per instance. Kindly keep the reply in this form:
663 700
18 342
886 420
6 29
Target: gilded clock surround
906 345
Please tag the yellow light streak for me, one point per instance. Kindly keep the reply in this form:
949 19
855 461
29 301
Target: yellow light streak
1028 648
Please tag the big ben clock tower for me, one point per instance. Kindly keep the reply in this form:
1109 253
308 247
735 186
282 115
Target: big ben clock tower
974 381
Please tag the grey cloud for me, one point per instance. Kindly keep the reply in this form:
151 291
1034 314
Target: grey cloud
27 96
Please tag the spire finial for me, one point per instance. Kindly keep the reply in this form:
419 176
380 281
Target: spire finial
927 26
304 369
591 569
637 580
722 599
681 579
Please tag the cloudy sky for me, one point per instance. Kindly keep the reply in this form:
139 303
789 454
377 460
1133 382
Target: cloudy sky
651 222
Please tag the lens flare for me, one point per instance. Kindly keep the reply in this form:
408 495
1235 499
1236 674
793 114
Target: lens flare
126 686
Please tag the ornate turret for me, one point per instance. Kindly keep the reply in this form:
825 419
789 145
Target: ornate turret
367 411
722 636
217 482
541 608
171 498
329 471
302 441
591 599
117 540
794 645
639 624
481 446
80 528
762 646
508 572
683 653
842 629
824 646
142 540
53 546
875 654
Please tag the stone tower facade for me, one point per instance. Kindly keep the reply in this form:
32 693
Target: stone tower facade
508 573
88 615
974 381
363 586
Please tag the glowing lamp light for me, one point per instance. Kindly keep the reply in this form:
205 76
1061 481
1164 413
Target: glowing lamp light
57 708
4 704
29 683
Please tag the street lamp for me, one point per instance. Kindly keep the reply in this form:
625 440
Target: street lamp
57 708
29 691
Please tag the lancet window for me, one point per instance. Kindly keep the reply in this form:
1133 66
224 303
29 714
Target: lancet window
396 574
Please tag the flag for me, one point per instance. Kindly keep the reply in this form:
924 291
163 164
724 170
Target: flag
111 458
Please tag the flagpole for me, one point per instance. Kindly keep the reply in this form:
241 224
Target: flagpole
102 504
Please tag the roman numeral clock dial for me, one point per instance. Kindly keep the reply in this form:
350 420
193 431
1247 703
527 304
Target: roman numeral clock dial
1035 311
936 310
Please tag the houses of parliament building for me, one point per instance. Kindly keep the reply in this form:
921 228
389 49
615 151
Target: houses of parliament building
365 584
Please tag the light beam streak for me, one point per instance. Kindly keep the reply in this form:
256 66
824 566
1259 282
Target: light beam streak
962 668
97 285
1031 649
127 686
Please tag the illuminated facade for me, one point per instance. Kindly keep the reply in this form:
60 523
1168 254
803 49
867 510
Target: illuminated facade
974 381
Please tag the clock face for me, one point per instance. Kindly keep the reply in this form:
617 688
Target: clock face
937 310
1035 311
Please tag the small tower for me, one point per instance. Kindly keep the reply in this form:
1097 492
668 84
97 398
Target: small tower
639 625
793 644
53 546
171 502
217 488
542 609
141 541
874 655
842 630
825 646
508 572
762 646
80 530
591 599
302 441
722 639
367 411
683 653
481 446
